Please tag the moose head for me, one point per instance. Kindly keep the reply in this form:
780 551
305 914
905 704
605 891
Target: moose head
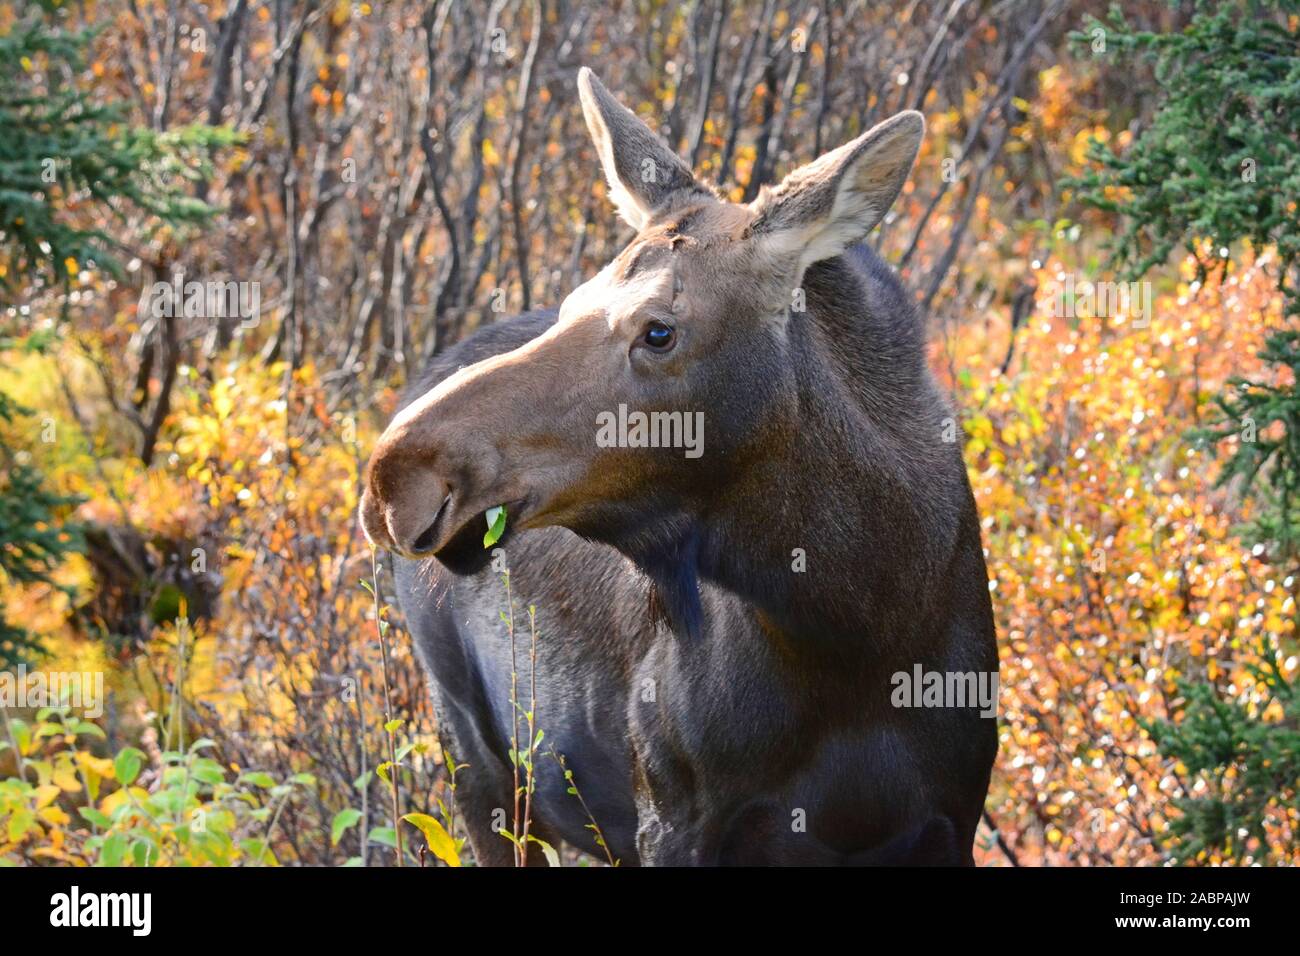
693 318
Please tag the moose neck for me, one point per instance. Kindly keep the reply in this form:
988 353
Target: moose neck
849 517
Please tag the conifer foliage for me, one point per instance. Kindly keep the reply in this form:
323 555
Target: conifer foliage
1215 171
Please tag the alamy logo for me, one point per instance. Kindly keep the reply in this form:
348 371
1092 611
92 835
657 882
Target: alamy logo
76 689
1105 299
626 429
103 909
204 300
922 688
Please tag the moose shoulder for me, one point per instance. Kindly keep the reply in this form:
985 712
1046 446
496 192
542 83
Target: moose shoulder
720 631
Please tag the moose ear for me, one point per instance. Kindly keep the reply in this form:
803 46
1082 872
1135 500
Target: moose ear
821 209
641 170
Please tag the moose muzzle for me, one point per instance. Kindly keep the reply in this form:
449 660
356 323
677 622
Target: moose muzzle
508 430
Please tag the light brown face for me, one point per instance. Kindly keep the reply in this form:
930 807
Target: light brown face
688 320
523 428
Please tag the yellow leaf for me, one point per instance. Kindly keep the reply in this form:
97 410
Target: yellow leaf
100 765
222 403
21 822
66 778
54 816
440 842
119 797
95 769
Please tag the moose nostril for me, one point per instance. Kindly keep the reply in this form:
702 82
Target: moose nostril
429 536
424 543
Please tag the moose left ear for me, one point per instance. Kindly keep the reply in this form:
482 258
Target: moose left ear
821 209
642 172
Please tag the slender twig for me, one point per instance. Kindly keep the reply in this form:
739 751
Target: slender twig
176 712
517 166
1002 842
177 718
393 783
452 769
514 716
532 731
270 828
365 789
573 788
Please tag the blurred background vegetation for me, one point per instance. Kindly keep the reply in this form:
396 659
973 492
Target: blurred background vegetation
177 493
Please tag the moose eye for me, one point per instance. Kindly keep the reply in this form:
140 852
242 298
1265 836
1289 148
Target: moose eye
659 336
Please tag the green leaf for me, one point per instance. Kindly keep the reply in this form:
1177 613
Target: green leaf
113 850
22 734
256 848
496 521
142 852
89 729
94 816
440 842
343 821
548 851
126 766
21 821
208 771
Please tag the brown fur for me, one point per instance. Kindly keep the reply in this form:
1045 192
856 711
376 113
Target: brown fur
756 694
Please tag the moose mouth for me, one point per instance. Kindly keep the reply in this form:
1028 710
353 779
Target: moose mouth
463 551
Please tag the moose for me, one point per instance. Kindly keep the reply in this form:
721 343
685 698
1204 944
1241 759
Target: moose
718 633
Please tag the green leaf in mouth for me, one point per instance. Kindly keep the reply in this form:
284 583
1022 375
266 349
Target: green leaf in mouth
496 520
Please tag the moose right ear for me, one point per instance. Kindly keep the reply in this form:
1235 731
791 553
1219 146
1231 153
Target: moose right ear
821 209
641 170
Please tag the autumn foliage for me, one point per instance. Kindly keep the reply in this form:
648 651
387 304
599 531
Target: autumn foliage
411 183
1116 568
